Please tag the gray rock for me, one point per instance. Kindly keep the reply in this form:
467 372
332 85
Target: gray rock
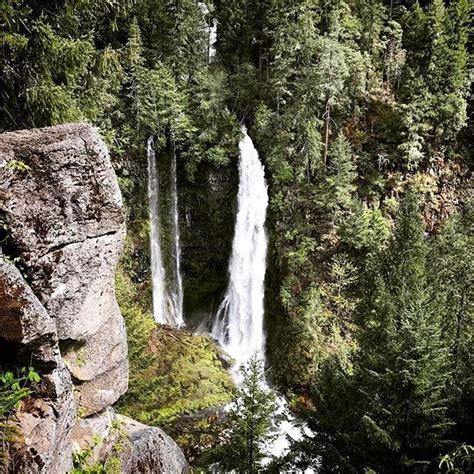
150 450
45 420
99 366
104 350
97 433
138 448
102 391
23 319
66 221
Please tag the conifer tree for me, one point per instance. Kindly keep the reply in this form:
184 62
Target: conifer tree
396 388
250 418
453 268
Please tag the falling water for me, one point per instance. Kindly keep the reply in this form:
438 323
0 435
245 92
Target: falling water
157 268
210 30
212 40
177 295
238 325
167 305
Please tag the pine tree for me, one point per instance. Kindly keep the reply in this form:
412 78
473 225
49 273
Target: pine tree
249 418
454 270
341 174
396 388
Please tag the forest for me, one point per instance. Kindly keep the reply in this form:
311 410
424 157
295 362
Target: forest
357 115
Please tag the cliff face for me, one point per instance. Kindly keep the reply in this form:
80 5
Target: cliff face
62 211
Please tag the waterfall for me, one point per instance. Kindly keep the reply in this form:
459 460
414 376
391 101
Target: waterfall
238 324
210 30
178 290
157 268
167 305
212 40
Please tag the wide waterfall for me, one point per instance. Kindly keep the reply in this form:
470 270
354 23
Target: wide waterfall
238 324
167 295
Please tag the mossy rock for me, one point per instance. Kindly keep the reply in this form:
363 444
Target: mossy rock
173 373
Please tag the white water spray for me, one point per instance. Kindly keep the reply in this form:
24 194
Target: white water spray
167 305
238 325
177 294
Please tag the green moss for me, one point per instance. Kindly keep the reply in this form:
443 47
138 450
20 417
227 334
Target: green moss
173 374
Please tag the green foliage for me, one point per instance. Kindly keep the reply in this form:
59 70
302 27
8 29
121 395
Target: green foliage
459 460
249 417
14 387
453 268
172 373
396 386
17 165
349 103
81 458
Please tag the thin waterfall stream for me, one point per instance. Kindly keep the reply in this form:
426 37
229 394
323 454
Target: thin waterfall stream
157 268
167 294
174 210
239 322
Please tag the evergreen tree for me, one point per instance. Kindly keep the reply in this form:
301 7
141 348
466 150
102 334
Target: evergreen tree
249 418
454 270
396 388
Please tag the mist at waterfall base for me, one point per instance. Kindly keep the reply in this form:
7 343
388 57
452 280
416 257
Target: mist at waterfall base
239 322
167 293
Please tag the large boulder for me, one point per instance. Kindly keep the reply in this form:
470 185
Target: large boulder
137 448
63 209
150 450
64 212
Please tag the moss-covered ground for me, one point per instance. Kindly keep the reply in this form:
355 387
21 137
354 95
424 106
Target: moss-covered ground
177 379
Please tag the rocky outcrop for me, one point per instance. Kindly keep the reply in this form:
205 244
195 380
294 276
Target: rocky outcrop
29 336
137 447
64 213
61 205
